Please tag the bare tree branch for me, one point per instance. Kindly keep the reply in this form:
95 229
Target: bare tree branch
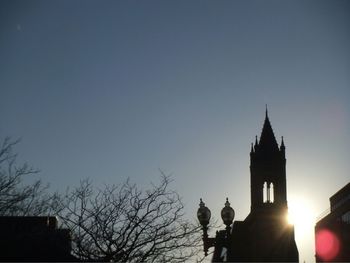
15 198
122 223
118 223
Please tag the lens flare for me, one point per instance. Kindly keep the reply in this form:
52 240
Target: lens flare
327 245
301 215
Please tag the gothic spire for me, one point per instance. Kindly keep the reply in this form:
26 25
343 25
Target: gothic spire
267 139
256 143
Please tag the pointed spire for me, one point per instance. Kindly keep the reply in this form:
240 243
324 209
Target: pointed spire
282 143
251 148
282 148
256 143
267 138
266 113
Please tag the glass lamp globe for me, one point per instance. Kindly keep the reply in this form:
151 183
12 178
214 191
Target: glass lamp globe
227 213
203 214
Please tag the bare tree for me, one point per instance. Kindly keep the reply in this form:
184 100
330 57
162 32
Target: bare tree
16 198
117 223
125 224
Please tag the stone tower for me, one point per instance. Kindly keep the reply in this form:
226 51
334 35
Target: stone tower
265 235
268 171
270 237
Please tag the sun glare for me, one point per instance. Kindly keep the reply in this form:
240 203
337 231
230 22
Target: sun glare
301 215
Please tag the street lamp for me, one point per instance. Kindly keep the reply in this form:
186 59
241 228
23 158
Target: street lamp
227 214
204 214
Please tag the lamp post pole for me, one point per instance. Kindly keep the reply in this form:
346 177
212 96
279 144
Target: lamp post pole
227 215
203 215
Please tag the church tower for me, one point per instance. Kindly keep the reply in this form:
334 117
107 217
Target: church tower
270 237
268 171
265 235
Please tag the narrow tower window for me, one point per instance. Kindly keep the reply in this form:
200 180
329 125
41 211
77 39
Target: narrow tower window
265 192
272 193
268 193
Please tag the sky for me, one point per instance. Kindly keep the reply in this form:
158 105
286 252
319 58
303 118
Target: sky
111 90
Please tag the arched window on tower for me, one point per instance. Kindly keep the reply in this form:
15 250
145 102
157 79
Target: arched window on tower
272 193
268 193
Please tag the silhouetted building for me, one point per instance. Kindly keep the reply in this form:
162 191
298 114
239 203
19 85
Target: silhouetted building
33 239
265 234
333 230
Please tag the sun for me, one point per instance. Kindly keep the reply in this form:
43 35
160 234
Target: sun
301 215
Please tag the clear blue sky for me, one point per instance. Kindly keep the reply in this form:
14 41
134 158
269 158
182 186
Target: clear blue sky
118 89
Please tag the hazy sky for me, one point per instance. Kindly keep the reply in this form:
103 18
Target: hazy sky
118 89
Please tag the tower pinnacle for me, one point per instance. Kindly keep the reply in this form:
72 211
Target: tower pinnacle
267 139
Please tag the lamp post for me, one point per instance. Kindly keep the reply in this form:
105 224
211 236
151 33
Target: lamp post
227 215
204 214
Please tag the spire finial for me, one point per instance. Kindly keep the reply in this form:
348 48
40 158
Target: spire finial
266 113
282 148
